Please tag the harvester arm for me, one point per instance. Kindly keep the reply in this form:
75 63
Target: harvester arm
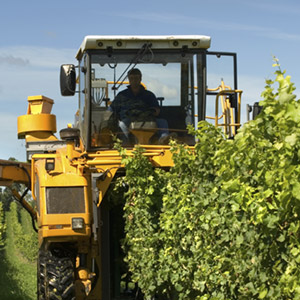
17 172
14 171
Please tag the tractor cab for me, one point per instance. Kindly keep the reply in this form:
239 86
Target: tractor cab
173 69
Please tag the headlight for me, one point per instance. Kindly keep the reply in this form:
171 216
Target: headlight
77 223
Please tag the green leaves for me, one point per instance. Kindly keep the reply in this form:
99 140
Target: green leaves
223 223
26 242
2 225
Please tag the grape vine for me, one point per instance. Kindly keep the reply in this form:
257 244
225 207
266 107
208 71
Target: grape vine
223 223
26 241
2 225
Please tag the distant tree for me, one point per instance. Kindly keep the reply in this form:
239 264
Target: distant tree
6 198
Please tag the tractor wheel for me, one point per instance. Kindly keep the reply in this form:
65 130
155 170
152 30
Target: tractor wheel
56 275
41 269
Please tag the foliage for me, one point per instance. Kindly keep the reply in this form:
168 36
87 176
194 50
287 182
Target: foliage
18 275
6 197
142 211
223 223
2 225
26 241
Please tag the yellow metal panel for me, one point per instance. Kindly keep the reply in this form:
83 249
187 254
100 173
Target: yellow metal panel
39 105
160 155
103 185
39 97
61 235
62 180
33 123
48 222
163 160
11 171
38 136
65 219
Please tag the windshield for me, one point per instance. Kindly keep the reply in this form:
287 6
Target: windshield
153 110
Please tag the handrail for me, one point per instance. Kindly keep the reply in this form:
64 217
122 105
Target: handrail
225 108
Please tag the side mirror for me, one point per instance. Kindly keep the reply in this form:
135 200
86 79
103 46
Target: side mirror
67 80
256 110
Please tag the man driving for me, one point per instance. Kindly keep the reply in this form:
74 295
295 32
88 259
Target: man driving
136 102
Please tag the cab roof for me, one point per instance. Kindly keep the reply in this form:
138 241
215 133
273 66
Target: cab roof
136 42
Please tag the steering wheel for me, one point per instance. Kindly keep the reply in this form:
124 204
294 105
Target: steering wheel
141 115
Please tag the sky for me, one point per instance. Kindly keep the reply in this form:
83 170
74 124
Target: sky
38 36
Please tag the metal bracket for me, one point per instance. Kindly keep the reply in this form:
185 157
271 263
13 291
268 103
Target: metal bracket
95 197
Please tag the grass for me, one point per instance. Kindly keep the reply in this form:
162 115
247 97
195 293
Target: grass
9 289
17 275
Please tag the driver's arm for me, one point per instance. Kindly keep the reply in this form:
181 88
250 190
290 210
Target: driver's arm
153 103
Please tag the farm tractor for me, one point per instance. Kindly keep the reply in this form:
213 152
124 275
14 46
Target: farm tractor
79 230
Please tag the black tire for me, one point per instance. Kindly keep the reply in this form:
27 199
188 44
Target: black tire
56 279
41 270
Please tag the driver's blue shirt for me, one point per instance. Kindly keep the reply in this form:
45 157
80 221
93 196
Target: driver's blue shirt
126 102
